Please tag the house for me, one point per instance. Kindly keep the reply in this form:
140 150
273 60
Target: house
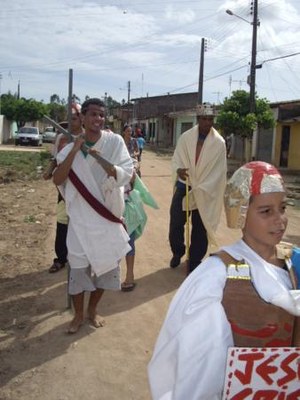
165 118
281 145
155 116
287 136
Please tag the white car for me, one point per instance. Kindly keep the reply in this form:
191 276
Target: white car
49 135
29 135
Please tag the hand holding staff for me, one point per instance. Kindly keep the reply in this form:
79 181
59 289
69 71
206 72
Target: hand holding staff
106 165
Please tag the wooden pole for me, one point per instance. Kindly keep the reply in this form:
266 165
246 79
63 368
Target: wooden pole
70 96
187 226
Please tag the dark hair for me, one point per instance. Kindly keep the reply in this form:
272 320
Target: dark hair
94 101
126 126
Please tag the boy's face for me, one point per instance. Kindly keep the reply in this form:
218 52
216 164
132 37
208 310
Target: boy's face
266 221
75 123
93 119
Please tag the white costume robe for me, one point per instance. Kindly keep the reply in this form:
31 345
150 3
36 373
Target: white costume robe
102 242
190 354
207 176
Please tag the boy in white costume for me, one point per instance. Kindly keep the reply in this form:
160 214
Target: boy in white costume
95 242
190 354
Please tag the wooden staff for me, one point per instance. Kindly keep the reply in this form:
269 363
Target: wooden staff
106 165
187 225
291 272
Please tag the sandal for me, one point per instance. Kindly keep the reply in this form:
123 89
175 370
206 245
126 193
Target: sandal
128 287
56 266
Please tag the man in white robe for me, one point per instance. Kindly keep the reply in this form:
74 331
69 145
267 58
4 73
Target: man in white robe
95 243
189 357
199 160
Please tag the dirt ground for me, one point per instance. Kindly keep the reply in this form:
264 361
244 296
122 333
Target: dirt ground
38 360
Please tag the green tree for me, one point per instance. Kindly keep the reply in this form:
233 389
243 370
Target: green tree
28 110
111 103
54 98
22 110
8 105
235 117
57 109
57 112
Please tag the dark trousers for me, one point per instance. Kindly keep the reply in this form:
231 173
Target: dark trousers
198 242
60 243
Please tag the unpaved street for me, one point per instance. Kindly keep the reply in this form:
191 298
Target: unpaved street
38 359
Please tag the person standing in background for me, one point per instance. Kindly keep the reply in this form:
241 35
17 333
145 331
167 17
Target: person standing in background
141 144
60 245
199 161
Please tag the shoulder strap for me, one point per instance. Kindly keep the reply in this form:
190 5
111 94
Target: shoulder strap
226 258
91 200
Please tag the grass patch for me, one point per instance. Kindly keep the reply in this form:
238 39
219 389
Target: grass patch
18 165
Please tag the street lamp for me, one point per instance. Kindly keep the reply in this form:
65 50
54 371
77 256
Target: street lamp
255 24
229 12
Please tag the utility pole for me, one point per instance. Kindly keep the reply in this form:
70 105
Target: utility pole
18 95
128 98
201 71
240 81
218 94
70 99
252 106
253 56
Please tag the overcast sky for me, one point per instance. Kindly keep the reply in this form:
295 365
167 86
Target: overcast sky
154 44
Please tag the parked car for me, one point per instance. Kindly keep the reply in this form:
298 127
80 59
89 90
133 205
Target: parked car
49 135
29 135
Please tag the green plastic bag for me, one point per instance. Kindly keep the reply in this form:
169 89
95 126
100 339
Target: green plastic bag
146 196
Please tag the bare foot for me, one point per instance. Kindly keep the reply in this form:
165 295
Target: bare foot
75 324
97 321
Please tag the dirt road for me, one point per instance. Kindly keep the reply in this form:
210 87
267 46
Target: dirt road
38 359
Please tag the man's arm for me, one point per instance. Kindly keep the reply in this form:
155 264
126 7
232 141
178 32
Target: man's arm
62 171
296 333
178 163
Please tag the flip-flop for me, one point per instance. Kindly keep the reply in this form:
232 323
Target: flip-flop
128 287
56 266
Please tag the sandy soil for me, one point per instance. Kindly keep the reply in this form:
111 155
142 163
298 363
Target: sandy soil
38 359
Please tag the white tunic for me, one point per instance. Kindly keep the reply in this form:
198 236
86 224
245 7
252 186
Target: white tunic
190 353
102 242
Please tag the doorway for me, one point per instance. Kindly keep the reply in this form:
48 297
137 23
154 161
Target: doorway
285 144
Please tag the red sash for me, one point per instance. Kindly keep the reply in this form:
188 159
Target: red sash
91 200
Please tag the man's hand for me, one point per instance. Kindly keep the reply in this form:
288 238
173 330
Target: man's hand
78 142
182 173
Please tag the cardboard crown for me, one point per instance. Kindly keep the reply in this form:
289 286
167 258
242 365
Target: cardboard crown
205 110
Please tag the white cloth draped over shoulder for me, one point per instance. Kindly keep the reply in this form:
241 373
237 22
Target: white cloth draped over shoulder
103 242
207 177
190 354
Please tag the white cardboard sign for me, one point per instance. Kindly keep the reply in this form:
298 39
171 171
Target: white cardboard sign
262 374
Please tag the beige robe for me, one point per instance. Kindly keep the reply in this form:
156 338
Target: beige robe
207 177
